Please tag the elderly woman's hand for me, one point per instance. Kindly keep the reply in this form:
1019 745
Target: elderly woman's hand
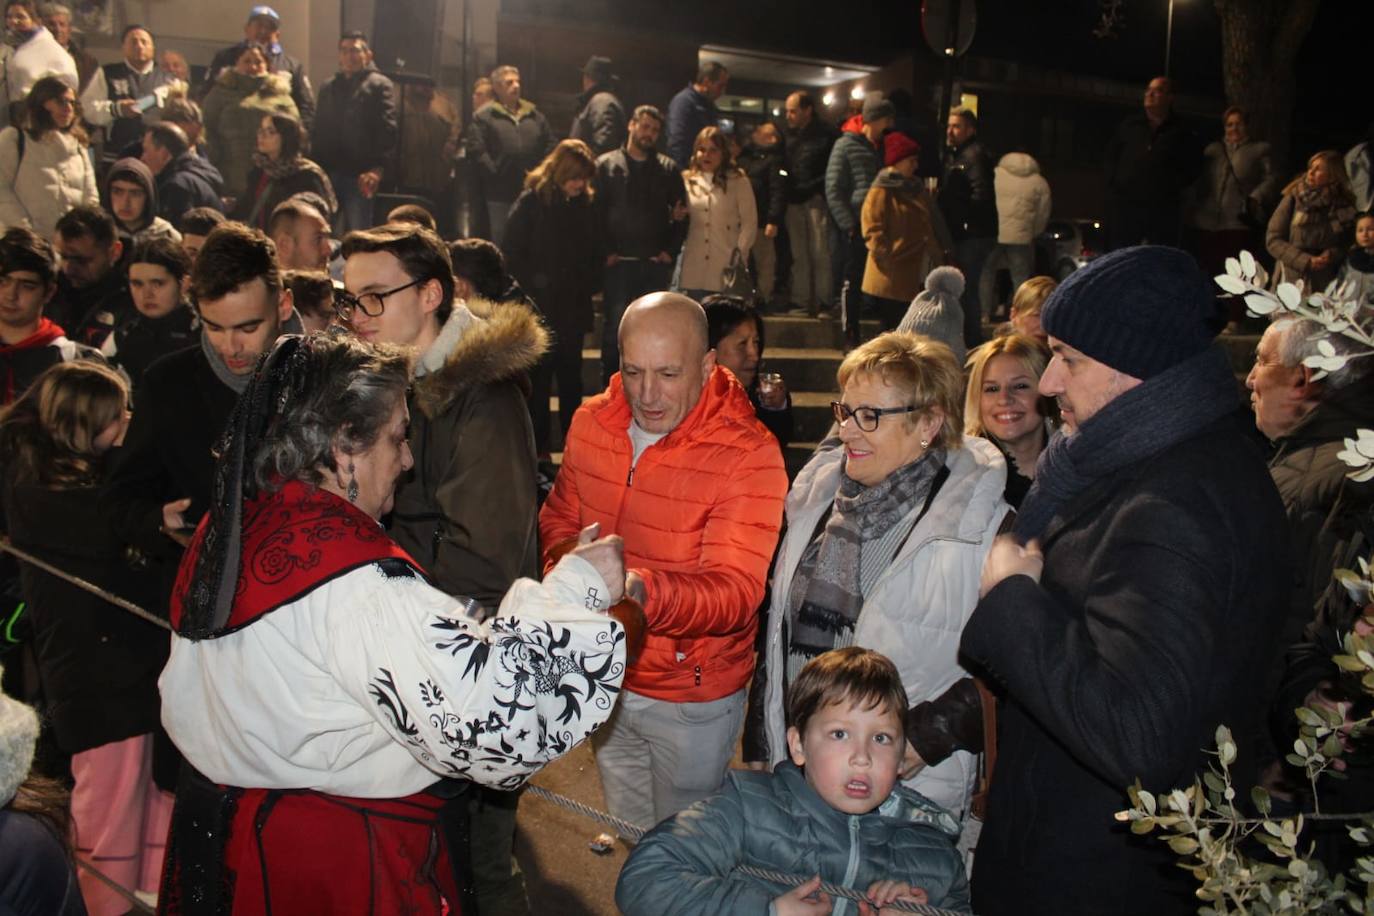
1008 558
607 555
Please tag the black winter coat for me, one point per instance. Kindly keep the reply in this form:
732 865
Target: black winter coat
600 121
188 181
505 146
1311 481
99 663
554 251
636 201
259 214
355 123
967 198
180 410
1155 620
807 152
1147 172
141 341
764 166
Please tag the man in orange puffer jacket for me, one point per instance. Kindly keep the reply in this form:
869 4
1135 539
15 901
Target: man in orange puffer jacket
672 458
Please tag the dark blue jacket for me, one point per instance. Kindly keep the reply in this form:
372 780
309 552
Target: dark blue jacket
686 865
688 113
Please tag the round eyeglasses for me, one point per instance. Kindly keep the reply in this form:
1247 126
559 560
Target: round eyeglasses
865 417
370 304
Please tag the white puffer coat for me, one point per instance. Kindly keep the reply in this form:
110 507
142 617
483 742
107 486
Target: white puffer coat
916 611
55 175
1023 199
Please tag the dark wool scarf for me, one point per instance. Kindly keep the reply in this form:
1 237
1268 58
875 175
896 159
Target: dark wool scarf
278 169
826 594
1323 204
1168 408
1361 260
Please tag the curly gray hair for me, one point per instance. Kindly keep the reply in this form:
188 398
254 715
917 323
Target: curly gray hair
349 392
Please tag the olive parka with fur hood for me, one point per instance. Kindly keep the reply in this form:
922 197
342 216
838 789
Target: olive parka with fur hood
467 511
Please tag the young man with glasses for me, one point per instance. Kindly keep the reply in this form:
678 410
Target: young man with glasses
467 512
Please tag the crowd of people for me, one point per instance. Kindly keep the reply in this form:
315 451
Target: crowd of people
1018 574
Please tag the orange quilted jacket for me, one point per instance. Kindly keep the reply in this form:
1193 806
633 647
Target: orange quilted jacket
700 521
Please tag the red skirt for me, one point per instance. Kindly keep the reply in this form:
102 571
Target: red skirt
292 853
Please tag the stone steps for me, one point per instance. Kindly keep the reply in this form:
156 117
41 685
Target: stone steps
808 352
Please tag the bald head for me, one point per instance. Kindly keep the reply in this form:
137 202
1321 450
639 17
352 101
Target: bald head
670 313
665 359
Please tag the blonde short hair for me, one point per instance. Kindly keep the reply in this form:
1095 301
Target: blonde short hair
922 369
1034 356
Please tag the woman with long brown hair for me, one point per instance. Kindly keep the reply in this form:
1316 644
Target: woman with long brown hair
722 217
45 169
554 248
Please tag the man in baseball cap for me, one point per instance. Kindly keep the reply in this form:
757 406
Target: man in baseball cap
263 29
1136 607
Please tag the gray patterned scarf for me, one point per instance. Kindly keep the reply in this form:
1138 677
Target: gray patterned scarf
826 596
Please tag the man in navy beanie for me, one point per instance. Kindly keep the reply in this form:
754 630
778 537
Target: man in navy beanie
1136 605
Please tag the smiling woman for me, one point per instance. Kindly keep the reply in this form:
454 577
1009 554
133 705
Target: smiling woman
902 505
1004 405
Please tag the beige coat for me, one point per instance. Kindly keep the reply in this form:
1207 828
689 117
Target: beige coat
55 175
720 221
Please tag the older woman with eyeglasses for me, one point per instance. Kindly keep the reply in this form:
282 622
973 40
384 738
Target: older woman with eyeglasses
886 536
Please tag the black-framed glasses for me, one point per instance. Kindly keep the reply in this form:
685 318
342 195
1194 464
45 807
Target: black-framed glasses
370 304
866 417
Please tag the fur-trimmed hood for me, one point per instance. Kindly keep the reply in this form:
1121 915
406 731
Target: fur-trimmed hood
494 342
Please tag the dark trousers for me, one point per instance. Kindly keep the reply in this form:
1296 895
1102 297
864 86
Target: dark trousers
626 281
852 295
562 366
972 255
890 311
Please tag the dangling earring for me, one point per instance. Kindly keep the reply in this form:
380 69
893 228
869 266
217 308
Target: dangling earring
352 484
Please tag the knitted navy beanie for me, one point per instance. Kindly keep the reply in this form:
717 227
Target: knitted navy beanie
1139 310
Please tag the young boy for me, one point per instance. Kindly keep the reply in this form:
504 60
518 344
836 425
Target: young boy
1356 277
835 812
131 197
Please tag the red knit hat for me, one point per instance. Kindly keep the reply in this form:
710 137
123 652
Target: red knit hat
897 146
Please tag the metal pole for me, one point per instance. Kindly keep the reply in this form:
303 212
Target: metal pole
1169 38
947 87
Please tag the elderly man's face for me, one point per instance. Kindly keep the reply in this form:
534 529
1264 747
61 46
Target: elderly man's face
507 89
663 371
1276 391
174 62
60 24
1081 384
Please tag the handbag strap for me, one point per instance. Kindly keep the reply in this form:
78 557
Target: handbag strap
979 803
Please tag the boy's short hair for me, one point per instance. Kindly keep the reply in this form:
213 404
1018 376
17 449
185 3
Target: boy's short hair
413 213
312 291
482 264
87 222
23 249
234 255
852 674
200 221
422 254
